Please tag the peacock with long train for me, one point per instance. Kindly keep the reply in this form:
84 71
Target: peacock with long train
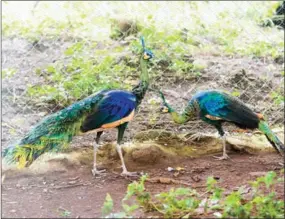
216 107
103 110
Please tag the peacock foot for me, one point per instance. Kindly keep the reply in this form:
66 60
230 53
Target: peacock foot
97 172
195 137
127 173
224 157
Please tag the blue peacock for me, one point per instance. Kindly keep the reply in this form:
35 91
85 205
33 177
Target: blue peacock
103 110
216 107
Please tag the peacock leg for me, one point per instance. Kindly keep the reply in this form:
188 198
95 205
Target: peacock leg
218 126
121 130
96 143
225 155
125 171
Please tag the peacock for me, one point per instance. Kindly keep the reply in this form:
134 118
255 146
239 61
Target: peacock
216 107
103 110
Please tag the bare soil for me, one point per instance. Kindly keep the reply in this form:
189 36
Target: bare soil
78 192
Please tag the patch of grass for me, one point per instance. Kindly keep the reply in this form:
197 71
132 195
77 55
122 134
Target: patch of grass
185 30
256 201
64 213
234 27
236 93
8 72
80 75
277 97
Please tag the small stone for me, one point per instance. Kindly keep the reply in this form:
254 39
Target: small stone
199 210
196 178
257 173
170 169
176 174
218 214
42 114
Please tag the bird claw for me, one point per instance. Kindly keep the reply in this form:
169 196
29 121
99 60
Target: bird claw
195 137
127 173
224 157
97 172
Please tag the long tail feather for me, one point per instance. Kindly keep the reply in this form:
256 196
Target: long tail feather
272 138
53 133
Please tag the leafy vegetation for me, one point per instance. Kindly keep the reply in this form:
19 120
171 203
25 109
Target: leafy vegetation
230 28
277 97
174 37
256 201
80 75
8 72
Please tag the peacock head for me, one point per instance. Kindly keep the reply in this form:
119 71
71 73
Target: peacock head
147 54
165 107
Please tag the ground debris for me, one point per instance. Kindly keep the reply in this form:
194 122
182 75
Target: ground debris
259 173
165 180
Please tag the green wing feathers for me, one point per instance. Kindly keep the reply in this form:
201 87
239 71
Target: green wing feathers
53 133
272 138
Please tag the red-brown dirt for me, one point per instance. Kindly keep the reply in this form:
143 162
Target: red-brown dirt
78 192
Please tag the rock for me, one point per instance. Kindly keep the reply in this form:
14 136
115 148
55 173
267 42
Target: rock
170 169
218 214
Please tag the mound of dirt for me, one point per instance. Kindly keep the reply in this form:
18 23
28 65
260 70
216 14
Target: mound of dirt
160 147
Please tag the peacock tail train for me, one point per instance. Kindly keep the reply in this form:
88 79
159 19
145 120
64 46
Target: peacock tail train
52 133
271 137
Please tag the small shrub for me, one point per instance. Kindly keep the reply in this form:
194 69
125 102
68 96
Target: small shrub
184 202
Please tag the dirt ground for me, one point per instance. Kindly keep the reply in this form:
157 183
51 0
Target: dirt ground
78 192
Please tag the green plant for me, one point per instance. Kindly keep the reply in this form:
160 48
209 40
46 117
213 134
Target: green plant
177 202
234 207
108 205
79 76
8 72
277 97
64 212
184 202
